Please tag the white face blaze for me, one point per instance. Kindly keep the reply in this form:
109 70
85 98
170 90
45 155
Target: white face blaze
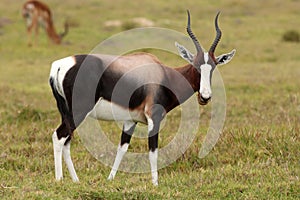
205 88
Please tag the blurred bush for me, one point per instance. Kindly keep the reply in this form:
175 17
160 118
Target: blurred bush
291 36
127 25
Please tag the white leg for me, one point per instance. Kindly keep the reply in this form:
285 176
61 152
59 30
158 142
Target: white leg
120 153
153 154
58 148
153 164
68 161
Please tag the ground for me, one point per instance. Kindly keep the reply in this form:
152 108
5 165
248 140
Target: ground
257 155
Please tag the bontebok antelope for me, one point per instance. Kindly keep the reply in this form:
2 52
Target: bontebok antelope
131 88
38 14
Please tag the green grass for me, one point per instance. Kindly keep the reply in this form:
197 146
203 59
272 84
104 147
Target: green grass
257 156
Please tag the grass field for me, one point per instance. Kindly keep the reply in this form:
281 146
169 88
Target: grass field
258 154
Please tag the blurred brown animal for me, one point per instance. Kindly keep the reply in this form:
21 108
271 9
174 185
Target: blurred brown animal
38 14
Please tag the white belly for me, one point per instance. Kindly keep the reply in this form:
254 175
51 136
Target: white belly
105 110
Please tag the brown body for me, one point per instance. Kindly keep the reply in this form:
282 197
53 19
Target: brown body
38 14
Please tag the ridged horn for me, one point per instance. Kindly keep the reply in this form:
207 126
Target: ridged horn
218 37
189 30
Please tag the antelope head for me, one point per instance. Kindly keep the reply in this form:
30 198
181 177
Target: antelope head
204 62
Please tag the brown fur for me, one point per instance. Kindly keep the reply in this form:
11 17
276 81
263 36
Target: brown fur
39 14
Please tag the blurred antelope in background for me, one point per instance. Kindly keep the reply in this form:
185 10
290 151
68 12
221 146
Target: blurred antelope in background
38 14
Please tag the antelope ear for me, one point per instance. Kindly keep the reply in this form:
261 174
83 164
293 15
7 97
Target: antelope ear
184 53
225 58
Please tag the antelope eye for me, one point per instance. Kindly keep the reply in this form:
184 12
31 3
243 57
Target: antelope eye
224 58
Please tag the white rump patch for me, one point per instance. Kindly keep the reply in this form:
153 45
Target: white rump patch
59 68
